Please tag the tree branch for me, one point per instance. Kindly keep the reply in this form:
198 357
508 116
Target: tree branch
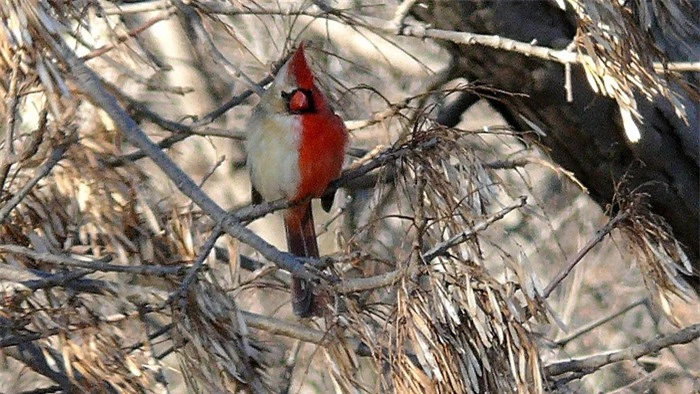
252 212
442 248
95 265
562 56
588 327
192 272
609 226
590 364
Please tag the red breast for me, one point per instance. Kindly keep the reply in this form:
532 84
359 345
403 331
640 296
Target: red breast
323 134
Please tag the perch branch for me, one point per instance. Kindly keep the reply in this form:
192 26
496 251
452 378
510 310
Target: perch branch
253 212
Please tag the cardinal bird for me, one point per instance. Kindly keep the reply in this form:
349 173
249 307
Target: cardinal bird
296 147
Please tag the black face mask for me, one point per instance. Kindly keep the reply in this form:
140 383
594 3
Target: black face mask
299 101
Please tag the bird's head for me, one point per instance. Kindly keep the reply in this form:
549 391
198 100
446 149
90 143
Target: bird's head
294 90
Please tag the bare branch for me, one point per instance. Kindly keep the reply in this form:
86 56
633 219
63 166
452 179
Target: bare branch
131 33
136 8
387 279
587 365
192 272
563 56
201 41
442 248
95 265
592 325
183 131
281 327
373 282
609 226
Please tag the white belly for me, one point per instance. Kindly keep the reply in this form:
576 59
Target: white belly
273 155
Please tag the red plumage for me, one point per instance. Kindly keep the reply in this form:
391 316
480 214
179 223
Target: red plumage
317 149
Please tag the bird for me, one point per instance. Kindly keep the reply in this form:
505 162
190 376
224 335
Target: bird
296 147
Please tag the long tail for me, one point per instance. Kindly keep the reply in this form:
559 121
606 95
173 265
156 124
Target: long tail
301 241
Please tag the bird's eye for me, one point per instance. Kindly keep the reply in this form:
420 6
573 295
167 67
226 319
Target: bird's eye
299 101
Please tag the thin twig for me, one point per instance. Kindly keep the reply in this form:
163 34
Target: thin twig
605 230
54 158
182 131
284 328
120 38
95 265
590 326
135 8
442 248
590 364
161 331
201 41
192 272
